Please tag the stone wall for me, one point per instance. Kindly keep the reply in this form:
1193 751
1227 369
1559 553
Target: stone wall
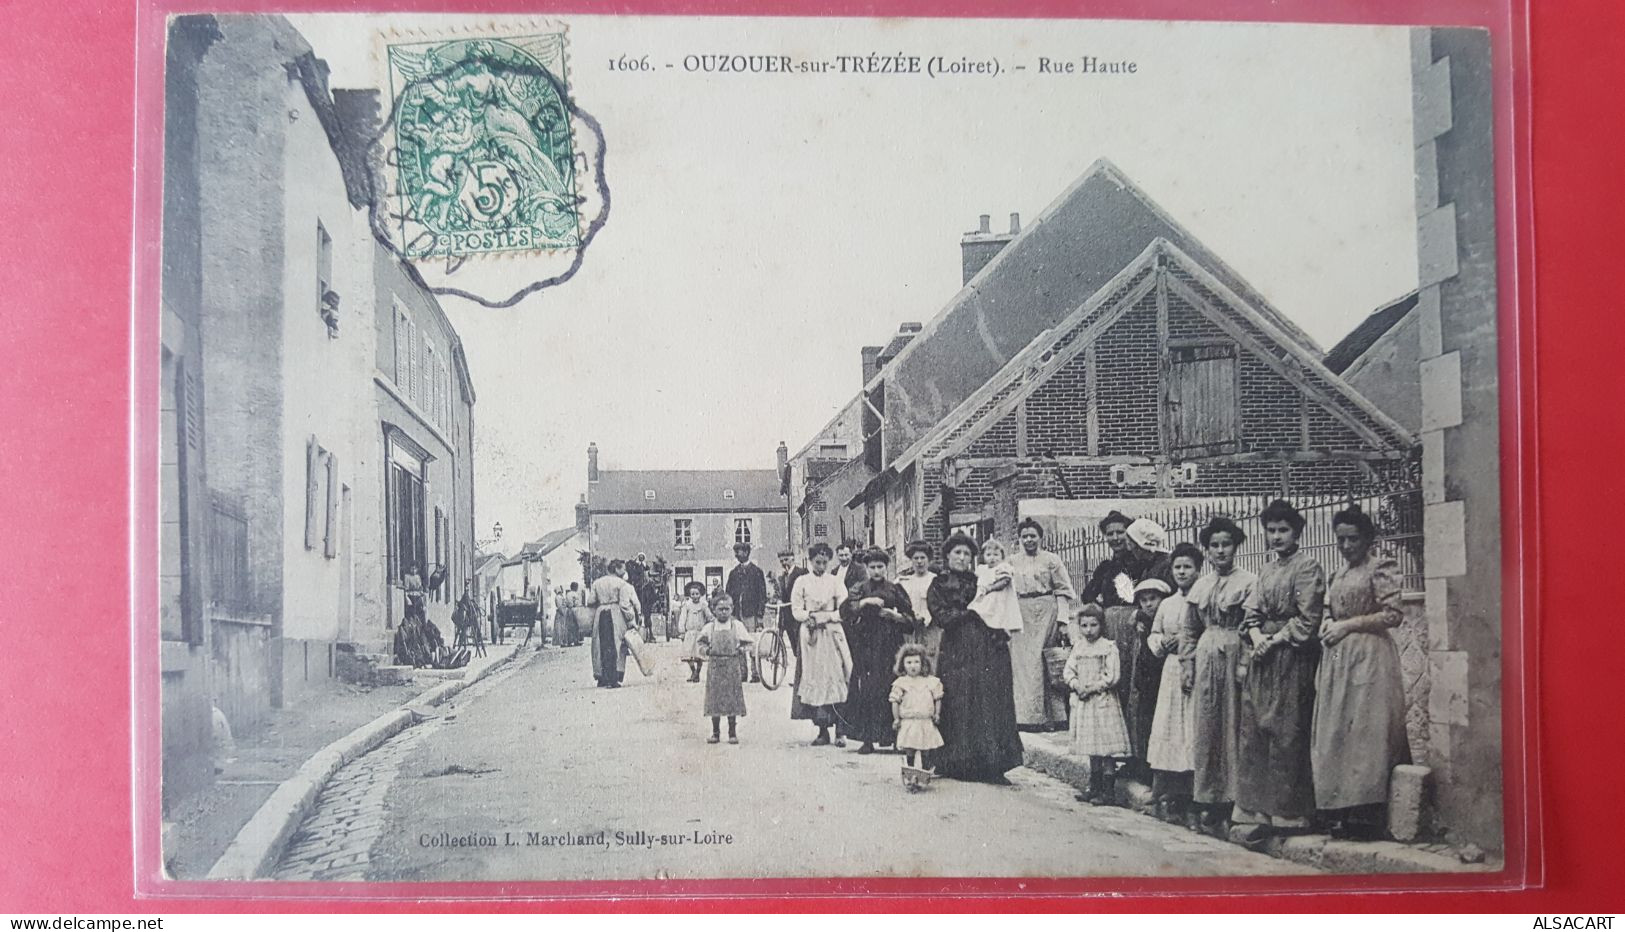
1460 417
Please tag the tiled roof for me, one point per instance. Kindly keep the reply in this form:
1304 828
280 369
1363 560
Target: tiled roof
1050 350
627 490
549 542
1080 242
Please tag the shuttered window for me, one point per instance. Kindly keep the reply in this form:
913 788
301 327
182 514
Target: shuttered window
315 479
403 350
1204 409
330 533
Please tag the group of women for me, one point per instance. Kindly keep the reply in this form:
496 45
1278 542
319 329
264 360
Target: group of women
1267 701
1286 705
849 639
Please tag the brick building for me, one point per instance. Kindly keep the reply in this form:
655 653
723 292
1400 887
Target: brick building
1100 353
310 370
1164 385
690 518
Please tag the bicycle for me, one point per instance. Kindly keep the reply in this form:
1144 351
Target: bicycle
772 653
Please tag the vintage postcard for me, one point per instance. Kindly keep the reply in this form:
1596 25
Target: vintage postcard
623 448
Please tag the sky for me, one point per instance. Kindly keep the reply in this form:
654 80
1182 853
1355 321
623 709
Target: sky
766 227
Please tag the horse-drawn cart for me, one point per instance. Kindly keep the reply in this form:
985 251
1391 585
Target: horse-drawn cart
515 613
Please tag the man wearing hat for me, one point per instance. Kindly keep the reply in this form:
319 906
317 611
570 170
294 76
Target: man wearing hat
747 586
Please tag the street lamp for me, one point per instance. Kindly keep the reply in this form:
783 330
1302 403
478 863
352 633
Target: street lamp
496 535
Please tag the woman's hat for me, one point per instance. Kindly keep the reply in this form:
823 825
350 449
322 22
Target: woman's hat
1152 585
1149 535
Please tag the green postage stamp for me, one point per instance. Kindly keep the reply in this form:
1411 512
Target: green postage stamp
484 160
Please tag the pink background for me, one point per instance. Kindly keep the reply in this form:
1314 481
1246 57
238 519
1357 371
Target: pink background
69 76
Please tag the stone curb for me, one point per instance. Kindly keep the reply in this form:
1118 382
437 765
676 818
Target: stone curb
1051 756
254 853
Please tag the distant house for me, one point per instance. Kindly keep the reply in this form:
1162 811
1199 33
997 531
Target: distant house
690 518
561 550
487 567
1380 359
551 561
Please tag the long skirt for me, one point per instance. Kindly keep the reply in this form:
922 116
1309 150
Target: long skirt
1358 735
1173 730
1274 782
930 638
1097 726
799 711
1038 631
691 645
874 643
608 651
1215 748
1120 629
978 705
1144 676
724 689
826 665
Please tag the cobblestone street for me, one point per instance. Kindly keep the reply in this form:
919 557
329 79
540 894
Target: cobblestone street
335 840
534 774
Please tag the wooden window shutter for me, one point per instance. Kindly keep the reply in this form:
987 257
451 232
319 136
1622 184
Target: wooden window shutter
400 348
313 513
415 347
330 539
1204 410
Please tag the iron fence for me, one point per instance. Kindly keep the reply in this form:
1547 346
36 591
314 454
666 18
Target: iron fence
1397 515
230 583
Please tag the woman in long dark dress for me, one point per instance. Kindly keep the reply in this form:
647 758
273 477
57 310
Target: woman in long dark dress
877 615
978 703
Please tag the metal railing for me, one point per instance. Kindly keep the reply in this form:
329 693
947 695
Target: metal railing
1397 515
231 586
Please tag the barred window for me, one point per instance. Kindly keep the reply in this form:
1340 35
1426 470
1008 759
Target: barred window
682 532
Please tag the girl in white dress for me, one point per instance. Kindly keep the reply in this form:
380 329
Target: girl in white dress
1098 731
1173 730
692 615
916 707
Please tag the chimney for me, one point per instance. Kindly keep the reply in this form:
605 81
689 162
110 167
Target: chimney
906 333
871 362
784 468
592 462
977 249
582 514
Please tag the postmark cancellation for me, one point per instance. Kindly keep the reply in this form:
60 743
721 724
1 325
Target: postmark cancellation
481 154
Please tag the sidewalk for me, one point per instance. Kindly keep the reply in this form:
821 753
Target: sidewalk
199 828
1049 753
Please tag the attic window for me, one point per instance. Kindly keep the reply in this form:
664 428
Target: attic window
648 495
728 494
